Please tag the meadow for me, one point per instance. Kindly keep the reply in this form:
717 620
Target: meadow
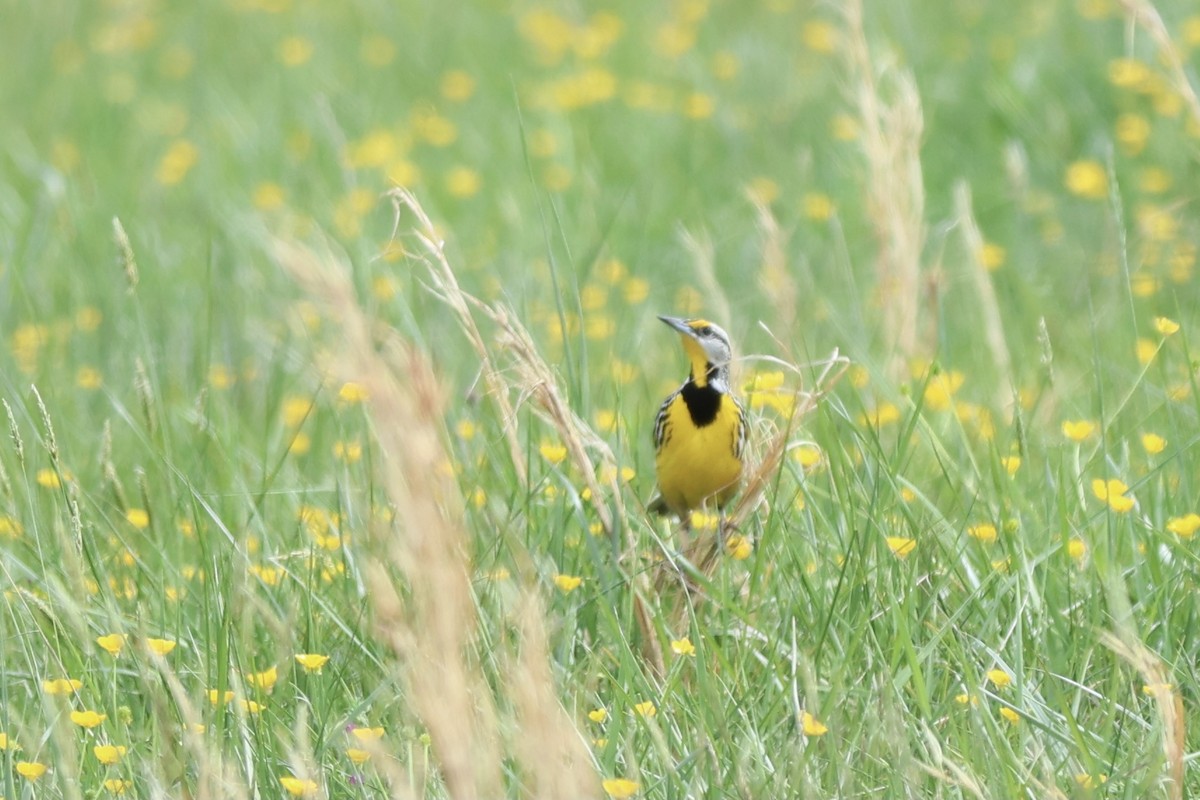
330 363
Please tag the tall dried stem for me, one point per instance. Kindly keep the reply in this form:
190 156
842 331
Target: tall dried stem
989 306
895 202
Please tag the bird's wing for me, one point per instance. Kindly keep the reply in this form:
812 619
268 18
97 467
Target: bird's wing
661 429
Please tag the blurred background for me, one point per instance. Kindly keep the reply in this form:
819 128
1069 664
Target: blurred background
598 153
989 207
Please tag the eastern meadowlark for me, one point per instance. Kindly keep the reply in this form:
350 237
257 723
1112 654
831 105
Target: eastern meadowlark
700 431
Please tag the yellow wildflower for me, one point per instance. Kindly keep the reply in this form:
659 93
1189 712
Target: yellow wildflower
298 787
567 583
264 680
941 388
1184 527
268 196
645 709
295 51
1078 430
11 528
1128 73
109 754
61 686
808 456
89 378
817 206
352 393
87 719
819 36
48 479
762 190
112 643
739 547
992 255
812 726
1132 133
683 647
1113 492
1166 326
311 661
463 182
883 414
620 788
177 162
161 646
1087 179
554 453
698 105
457 85
1153 444
367 734
843 127
350 452
984 532
1145 350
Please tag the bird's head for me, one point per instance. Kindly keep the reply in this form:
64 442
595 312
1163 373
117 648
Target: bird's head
707 346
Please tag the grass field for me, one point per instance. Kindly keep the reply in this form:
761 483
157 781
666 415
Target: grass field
306 494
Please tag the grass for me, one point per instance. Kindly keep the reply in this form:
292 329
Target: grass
260 406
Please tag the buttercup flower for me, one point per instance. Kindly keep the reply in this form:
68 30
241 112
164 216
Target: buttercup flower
812 726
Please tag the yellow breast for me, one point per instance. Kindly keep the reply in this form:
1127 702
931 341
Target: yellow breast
699 464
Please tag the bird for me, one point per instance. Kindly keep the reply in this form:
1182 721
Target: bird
700 430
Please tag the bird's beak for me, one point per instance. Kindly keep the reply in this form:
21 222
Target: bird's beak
679 325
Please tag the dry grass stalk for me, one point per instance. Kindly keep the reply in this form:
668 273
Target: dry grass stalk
545 738
433 626
704 262
891 141
760 478
1167 702
459 302
1144 12
300 756
945 770
532 379
14 432
774 278
535 381
125 251
214 779
989 307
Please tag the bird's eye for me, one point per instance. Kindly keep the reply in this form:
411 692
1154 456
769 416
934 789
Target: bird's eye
706 331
